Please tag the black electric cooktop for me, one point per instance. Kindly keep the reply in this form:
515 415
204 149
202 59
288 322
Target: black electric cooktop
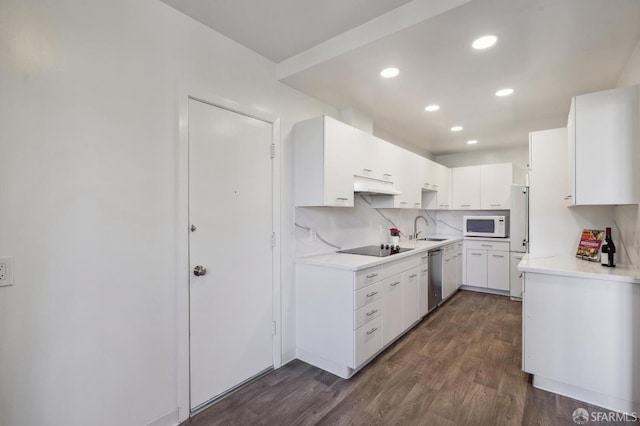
378 251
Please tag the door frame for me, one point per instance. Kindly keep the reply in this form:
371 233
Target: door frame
182 265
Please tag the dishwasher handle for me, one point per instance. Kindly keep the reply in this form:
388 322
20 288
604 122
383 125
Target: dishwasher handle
434 252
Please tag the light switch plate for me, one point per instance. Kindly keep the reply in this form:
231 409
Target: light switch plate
6 271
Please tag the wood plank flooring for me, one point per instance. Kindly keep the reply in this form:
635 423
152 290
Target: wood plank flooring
459 366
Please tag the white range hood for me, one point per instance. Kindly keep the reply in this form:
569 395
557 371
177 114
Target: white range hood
373 186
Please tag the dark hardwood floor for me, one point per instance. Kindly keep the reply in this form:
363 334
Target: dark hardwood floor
459 366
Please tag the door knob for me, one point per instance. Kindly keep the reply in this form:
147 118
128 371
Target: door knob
199 271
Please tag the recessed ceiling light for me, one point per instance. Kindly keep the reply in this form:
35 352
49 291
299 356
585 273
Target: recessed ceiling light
456 128
472 142
504 92
389 72
484 42
432 108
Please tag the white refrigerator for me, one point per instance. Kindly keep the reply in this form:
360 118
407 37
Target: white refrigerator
518 236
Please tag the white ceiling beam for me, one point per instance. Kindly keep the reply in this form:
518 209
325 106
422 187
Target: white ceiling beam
391 22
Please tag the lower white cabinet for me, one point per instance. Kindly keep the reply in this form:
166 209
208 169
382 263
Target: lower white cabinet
487 264
344 317
424 285
515 276
392 308
410 297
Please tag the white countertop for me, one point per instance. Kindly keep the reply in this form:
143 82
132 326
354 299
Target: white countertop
574 267
356 262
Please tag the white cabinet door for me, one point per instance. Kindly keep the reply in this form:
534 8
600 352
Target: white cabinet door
443 186
571 157
390 158
498 270
448 275
411 297
365 155
476 268
323 163
424 289
465 184
495 186
391 308
515 276
607 133
338 167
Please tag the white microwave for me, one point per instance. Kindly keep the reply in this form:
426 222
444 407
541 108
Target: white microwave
485 226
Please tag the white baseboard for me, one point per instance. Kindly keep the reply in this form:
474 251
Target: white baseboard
169 419
485 290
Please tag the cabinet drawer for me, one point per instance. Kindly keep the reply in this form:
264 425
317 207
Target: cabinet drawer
368 341
398 266
424 258
487 245
366 295
367 313
368 276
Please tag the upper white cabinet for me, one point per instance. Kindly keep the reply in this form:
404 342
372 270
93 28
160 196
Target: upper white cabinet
437 194
365 151
403 168
466 188
604 148
495 186
486 187
324 162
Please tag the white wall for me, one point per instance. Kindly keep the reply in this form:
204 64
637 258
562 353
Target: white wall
89 167
627 217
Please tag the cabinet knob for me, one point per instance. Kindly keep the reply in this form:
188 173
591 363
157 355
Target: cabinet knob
199 271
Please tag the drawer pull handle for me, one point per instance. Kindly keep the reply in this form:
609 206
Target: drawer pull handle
373 293
341 198
486 245
387 175
465 205
372 275
373 330
403 202
476 254
367 170
425 270
395 284
496 205
372 312
413 276
424 257
497 255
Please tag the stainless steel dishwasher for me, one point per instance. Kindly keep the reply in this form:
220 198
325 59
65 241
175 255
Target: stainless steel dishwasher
435 279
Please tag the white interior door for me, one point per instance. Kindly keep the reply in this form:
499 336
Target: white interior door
230 215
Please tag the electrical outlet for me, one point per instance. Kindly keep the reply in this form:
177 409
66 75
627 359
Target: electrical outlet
314 234
6 271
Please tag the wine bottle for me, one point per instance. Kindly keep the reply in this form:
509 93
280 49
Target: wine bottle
608 250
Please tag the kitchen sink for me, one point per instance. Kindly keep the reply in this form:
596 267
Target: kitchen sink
432 239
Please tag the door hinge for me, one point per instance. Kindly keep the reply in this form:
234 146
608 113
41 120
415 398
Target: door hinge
273 150
273 239
273 328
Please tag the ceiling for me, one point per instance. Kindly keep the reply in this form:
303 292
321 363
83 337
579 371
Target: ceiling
547 51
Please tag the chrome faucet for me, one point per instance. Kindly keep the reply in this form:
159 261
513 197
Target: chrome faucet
415 226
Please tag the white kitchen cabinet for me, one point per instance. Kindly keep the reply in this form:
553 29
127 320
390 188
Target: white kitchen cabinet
424 286
487 264
411 297
515 280
324 155
439 195
403 168
344 317
604 147
498 270
485 187
365 161
392 308
465 192
580 337
448 275
476 268
495 186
